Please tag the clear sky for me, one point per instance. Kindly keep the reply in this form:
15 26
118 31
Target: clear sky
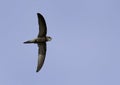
85 49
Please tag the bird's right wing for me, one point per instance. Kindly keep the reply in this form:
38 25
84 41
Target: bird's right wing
41 55
42 25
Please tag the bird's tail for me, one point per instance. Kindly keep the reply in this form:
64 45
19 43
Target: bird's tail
29 41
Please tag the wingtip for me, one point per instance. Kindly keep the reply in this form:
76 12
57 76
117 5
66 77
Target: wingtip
38 14
37 70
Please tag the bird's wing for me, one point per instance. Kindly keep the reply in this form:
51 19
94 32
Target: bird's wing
42 25
41 55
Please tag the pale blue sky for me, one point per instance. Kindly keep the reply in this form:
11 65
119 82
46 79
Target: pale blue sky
85 49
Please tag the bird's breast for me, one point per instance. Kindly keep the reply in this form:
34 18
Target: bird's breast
39 40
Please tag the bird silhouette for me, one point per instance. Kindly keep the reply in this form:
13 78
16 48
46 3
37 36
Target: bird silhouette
40 41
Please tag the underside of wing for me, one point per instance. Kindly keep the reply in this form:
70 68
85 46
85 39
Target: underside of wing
41 55
42 25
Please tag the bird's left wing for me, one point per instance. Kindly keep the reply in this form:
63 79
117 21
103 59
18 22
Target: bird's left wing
41 55
42 25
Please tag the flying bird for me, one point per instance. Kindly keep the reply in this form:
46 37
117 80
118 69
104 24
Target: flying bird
41 41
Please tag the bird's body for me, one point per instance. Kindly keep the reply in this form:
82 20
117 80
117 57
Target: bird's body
41 41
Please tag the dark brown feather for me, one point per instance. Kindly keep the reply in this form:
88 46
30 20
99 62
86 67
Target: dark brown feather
41 55
42 25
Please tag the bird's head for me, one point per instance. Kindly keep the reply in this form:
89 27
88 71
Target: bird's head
49 38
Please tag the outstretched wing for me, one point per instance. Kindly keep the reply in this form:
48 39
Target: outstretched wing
42 25
41 55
